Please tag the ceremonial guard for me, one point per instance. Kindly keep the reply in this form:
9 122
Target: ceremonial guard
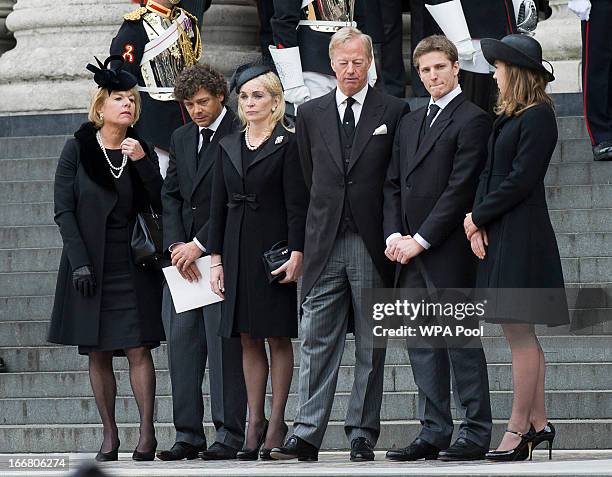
157 41
301 31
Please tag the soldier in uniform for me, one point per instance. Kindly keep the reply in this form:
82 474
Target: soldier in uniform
157 41
301 31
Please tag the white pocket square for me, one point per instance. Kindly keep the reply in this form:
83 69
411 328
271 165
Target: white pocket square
380 130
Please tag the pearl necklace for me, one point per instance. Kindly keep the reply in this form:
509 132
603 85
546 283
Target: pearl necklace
110 164
249 146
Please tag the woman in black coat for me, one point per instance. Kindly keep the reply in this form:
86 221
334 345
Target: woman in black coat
510 231
103 302
259 198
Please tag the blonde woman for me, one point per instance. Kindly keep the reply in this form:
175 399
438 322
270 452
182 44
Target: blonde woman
510 231
259 198
104 303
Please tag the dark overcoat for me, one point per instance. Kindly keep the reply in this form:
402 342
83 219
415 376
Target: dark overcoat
187 188
511 205
251 211
431 186
321 156
84 197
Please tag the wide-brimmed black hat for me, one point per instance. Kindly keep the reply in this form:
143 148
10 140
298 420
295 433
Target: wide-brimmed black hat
111 76
249 71
520 50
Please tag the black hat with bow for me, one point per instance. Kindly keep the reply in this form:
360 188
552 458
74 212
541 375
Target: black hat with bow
249 71
111 76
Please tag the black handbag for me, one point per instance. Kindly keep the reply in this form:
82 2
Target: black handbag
147 241
274 258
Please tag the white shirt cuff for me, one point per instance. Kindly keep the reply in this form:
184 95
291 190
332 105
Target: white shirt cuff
421 241
391 237
200 246
172 245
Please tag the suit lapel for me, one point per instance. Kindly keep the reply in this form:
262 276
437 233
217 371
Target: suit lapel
369 120
232 146
277 139
330 129
190 144
223 129
437 128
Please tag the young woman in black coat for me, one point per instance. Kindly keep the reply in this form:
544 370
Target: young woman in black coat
103 302
259 198
510 231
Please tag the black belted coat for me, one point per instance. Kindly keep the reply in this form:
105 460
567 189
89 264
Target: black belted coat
251 211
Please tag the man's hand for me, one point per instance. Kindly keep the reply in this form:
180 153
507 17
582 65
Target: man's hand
478 242
469 227
407 249
582 8
183 255
292 268
297 96
391 249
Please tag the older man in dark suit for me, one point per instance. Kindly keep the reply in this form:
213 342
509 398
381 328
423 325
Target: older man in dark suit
344 140
438 155
192 335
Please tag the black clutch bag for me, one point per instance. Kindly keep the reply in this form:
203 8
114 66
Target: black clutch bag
147 241
274 258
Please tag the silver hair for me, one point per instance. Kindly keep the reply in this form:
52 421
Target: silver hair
347 34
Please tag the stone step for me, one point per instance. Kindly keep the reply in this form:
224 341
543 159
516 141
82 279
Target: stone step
579 404
30 259
583 220
30 236
36 213
561 197
19 192
572 127
583 244
571 434
27 283
42 168
573 151
398 377
558 349
587 269
587 173
31 146
26 308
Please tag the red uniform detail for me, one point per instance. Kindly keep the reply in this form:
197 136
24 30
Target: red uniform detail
128 53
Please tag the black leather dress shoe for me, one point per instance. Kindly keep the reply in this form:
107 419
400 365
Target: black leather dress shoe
361 450
179 451
296 448
463 449
218 451
419 449
602 151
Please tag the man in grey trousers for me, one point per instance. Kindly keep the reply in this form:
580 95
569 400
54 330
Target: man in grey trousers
192 335
344 140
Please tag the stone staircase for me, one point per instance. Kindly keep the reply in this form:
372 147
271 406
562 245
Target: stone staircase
46 402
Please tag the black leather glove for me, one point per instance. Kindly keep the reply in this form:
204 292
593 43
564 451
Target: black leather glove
84 281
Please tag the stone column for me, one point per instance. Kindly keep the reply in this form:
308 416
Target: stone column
230 32
6 38
562 46
46 72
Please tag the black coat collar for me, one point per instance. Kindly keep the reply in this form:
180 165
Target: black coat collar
93 159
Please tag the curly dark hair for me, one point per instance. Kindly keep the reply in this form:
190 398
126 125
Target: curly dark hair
193 78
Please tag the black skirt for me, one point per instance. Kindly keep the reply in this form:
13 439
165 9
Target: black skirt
120 323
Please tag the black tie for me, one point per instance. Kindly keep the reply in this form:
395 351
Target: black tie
348 123
206 135
433 111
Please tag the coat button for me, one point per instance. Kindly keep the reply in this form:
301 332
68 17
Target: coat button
193 207
350 182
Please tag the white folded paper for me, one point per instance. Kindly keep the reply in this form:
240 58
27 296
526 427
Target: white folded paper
190 295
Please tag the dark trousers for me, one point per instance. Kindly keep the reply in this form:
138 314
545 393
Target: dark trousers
480 89
392 60
432 369
265 10
421 25
597 71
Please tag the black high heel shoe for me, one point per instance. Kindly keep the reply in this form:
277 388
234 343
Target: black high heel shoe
520 452
264 453
108 456
145 456
251 454
547 434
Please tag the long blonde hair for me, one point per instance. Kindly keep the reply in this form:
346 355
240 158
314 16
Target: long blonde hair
273 85
524 88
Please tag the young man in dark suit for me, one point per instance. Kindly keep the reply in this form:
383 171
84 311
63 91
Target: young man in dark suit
438 155
192 335
344 141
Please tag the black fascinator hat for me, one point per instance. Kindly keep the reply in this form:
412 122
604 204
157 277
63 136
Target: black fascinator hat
111 76
247 72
